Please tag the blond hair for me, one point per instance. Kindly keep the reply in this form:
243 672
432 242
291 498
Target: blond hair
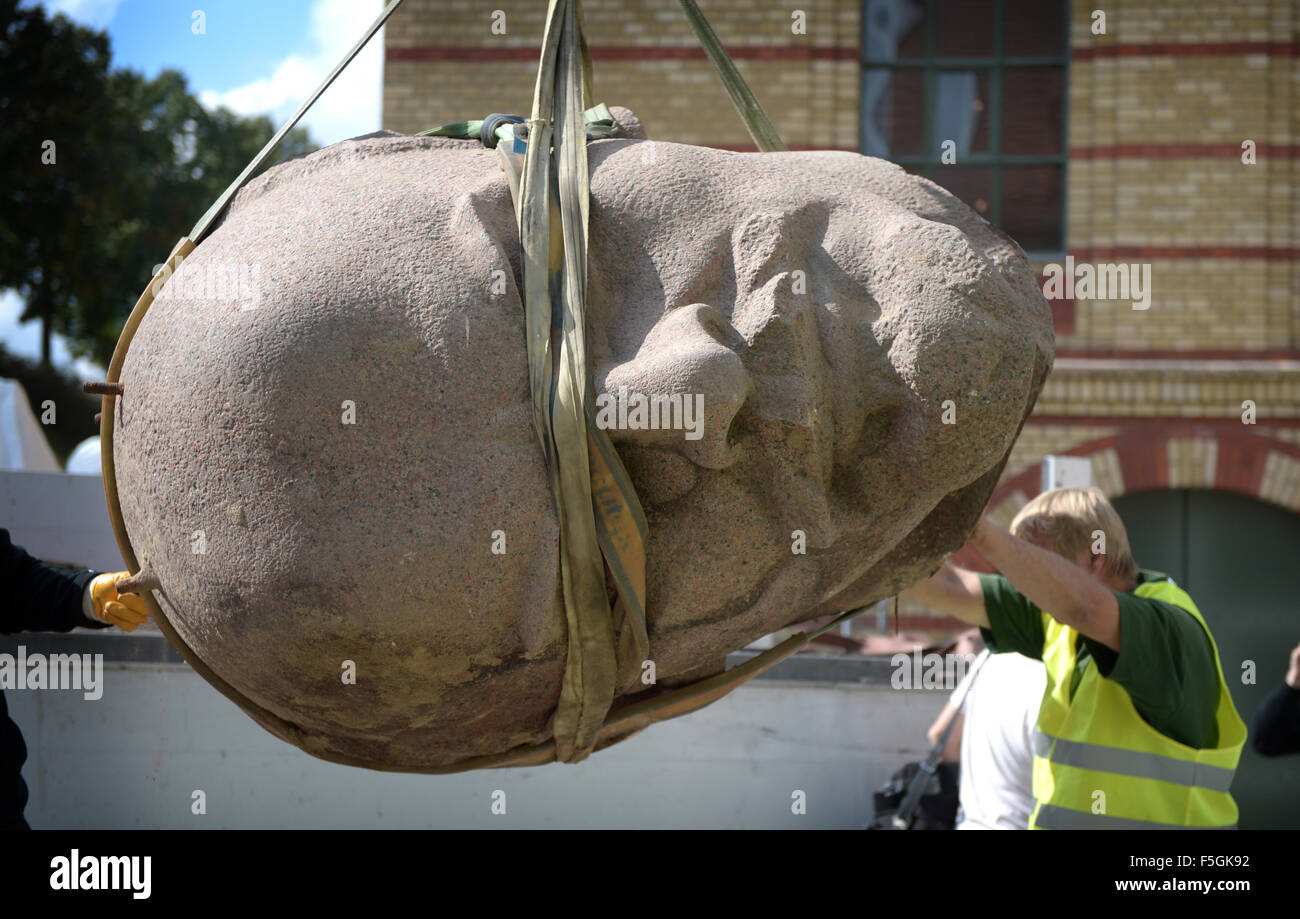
1066 519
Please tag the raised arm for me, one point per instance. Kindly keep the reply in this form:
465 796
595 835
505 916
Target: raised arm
953 590
1067 592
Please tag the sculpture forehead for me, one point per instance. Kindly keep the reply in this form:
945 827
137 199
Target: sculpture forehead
661 195
693 215
668 221
680 186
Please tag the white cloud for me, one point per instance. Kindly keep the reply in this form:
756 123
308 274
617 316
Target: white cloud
94 13
26 339
349 107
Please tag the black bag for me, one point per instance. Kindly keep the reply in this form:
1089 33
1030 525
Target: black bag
924 795
937 809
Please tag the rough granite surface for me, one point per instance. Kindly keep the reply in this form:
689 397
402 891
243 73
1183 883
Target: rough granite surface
327 421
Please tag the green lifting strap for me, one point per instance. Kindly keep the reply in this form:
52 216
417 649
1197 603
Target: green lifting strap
580 458
742 97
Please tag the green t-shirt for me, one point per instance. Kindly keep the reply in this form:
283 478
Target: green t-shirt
1166 664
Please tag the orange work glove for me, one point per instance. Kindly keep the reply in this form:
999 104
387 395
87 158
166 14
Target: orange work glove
126 611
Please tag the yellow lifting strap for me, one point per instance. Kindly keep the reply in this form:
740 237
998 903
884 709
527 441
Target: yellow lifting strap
553 188
555 296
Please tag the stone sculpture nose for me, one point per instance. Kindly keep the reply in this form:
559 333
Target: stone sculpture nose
688 354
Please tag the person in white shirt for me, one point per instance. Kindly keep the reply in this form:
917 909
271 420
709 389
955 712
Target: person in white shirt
995 736
997 743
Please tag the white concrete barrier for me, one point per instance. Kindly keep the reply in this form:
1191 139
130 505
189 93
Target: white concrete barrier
59 517
136 757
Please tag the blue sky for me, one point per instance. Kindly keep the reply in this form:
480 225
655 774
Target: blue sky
253 56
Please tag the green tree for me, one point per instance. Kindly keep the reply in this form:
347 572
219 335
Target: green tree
102 170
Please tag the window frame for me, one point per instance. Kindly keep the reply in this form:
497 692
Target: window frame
931 65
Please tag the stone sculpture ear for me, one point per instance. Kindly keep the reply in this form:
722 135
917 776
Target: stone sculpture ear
629 124
782 274
681 391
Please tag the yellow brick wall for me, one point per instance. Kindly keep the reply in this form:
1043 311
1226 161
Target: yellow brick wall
812 102
1131 202
1208 199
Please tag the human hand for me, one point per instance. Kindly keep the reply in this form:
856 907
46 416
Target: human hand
126 611
1293 672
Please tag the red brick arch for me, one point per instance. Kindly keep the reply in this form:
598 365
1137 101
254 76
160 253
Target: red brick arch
1142 449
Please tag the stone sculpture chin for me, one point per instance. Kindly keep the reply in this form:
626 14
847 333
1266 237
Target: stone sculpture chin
345 427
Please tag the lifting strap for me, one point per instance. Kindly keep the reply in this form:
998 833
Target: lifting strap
602 526
554 184
600 518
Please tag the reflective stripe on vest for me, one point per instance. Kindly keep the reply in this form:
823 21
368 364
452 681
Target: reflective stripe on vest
1098 758
1052 817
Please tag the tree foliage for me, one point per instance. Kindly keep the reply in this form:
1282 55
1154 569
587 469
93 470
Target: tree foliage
102 170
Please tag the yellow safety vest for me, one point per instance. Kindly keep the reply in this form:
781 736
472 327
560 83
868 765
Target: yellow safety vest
1099 765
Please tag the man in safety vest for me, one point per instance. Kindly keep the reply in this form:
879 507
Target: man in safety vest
1136 727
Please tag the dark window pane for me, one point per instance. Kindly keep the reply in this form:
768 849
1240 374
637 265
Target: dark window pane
1031 206
893 30
961 111
893 103
965 28
922 113
973 184
1033 110
1033 28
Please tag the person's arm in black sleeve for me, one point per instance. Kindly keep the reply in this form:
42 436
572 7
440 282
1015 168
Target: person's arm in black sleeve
1275 729
39 597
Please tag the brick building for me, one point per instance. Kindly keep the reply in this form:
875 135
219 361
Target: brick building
1162 135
